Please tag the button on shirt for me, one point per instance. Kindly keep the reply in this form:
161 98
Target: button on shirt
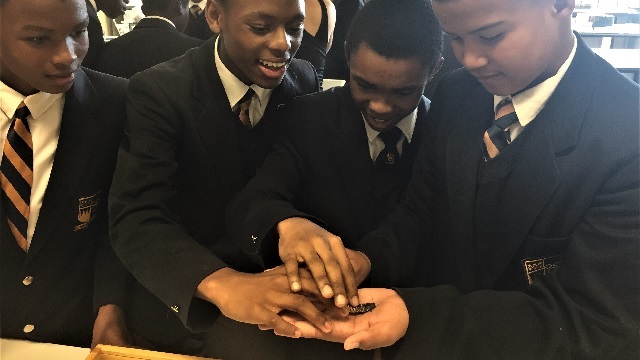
530 102
236 89
44 123
406 125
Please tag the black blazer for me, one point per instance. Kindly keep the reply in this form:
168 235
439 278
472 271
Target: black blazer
320 169
96 38
197 27
151 42
542 248
73 266
178 167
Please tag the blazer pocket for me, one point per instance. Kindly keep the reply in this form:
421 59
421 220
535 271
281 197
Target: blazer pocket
541 256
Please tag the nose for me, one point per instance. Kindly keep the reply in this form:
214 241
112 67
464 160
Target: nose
65 54
472 57
280 41
379 106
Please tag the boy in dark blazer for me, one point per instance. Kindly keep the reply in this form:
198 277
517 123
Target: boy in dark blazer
538 242
194 139
61 281
330 181
111 8
197 25
155 39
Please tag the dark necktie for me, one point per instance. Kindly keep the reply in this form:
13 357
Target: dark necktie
195 10
16 175
389 156
243 108
497 137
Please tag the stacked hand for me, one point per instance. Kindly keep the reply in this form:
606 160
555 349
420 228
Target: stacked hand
381 327
336 270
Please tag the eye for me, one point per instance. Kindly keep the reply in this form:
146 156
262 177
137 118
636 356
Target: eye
78 33
259 29
492 39
37 39
296 29
406 92
456 39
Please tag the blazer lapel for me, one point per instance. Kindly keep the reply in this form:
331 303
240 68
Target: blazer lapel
534 176
463 155
76 146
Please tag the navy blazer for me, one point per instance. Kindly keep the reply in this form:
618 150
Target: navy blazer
72 266
151 42
539 245
178 167
321 170
96 38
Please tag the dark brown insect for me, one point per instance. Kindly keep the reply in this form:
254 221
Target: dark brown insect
361 309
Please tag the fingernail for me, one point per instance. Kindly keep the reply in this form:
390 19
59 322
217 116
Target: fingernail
297 334
341 300
354 301
351 346
295 286
327 327
327 291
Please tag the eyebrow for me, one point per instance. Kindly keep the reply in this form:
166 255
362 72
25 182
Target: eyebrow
36 28
263 15
480 29
367 83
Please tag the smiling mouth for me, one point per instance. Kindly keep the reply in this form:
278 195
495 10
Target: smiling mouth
273 65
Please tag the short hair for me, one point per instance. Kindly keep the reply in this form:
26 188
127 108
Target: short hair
397 29
155 6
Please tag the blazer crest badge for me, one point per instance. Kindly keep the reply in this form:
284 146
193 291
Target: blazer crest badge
87 207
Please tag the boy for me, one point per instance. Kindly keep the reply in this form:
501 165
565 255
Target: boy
156 38
536 229
198 126
333 165
60 280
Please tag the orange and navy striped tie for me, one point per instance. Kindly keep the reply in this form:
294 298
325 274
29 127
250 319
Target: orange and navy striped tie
16 175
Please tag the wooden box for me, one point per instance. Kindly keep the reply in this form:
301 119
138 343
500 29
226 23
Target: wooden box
107 352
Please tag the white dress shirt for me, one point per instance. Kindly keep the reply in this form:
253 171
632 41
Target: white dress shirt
530 102
236 89
406 125
44 123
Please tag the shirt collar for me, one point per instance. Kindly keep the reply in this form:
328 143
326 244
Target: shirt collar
530 102
161 18
406 125
200 4
37 103
93 3
235 88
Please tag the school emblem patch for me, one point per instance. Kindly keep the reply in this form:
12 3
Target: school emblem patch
540 266
87 207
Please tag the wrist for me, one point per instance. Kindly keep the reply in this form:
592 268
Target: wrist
212 288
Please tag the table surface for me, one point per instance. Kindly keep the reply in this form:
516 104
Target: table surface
27 350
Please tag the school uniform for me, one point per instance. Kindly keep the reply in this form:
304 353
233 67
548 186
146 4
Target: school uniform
324 169
96 38
51 292
538 245
152 41
184 157
197 26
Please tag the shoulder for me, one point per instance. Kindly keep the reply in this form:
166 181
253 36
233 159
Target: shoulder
303 72
104 83
174 72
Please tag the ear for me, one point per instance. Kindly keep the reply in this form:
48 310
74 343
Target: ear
212 13
436 68
564 7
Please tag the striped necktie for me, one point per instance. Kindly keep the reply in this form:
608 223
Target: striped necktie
243 108
497 137
389 157
16 175
195 10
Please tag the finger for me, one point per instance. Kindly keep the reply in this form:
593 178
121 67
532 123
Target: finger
281 327
291 267
332 268
305 308
367 339
316 266
346 270
267 327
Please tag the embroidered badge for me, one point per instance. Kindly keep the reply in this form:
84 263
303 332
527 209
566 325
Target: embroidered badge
540 266
87 207
390 160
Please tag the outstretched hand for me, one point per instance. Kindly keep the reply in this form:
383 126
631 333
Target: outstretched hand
261 298
330 263
381 327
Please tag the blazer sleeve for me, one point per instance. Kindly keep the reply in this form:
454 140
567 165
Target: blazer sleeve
271 195
146 234
587 309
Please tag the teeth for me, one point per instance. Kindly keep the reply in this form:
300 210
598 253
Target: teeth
272 64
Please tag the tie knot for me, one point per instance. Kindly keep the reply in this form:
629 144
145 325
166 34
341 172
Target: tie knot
22 112
391 136
247 96
195 9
